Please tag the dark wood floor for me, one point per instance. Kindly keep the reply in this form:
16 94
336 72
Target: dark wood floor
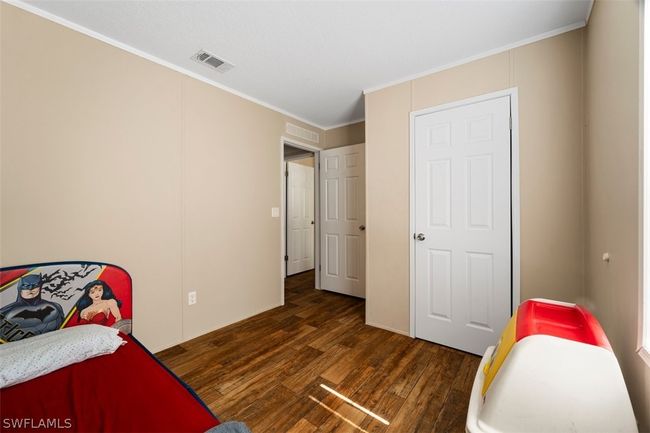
268 370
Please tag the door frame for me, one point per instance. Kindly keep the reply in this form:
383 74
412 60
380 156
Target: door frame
514 193
287 244
283 199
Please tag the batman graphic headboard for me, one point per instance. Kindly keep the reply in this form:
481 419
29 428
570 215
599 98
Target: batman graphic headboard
43 297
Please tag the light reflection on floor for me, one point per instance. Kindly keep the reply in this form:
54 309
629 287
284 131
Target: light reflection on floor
329 409
358 406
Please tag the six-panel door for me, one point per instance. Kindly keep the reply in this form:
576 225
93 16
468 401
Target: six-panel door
342 192
463 216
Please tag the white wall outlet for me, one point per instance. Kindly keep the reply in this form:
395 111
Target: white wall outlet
275 212
191 298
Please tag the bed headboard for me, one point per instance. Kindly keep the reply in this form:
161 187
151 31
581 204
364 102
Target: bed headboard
43 297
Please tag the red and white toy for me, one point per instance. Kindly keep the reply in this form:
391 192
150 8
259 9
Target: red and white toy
553 370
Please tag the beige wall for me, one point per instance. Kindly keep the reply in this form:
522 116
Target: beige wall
611 185
309 161
344 135
107 156
549 77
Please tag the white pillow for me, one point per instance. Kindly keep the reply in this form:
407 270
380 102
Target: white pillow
36 356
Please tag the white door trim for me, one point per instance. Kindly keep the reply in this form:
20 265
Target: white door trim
283 200
515 208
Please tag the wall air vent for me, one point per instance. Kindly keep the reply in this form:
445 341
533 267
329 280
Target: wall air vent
212 61
301 132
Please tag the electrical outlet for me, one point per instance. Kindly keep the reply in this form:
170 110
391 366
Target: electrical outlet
191 298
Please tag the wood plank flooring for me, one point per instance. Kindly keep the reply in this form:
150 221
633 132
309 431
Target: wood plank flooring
268 370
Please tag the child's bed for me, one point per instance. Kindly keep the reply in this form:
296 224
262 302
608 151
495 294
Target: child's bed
128 390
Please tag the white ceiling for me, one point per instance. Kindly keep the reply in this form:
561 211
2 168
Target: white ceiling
314 59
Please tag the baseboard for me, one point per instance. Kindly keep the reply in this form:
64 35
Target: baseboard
260 311
231 322
207 331
388 328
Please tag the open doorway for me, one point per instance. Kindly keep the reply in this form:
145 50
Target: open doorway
331 225
299 211
300 216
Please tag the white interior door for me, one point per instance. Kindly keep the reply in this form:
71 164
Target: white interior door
343 215
463 224
300 218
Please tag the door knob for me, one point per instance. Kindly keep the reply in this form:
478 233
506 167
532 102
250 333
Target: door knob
362 227
312 223
420 237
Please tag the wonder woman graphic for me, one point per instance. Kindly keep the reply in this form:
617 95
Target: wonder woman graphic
98 305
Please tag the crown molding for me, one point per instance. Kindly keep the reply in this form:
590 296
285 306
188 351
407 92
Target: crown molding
117 44
591 7
482 55
125 47
340 125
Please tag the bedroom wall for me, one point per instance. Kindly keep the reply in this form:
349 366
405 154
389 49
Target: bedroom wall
548 74
611 186
107 156
308 162
354 133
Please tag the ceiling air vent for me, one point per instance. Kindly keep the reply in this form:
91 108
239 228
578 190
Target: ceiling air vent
212 61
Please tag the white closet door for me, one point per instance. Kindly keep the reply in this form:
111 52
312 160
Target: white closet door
463 223
343 215
300 218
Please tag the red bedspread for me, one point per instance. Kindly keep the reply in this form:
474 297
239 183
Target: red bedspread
128 391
